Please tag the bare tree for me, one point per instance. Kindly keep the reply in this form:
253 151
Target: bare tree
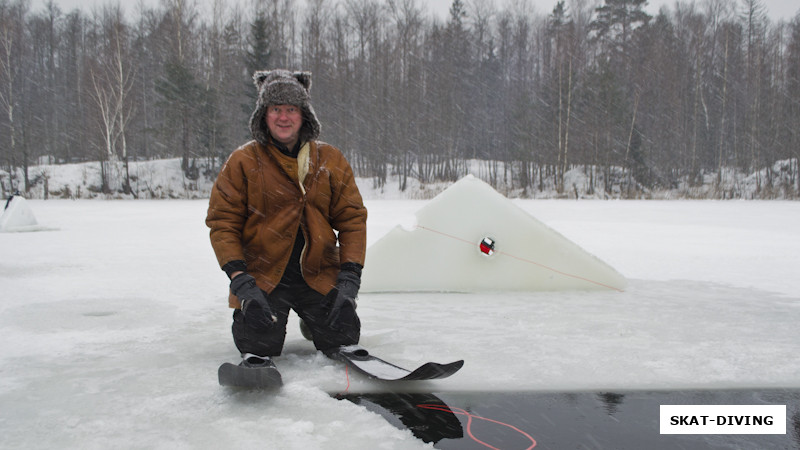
793 97
111 81
561 33
12 66
180 92
407 49
754 19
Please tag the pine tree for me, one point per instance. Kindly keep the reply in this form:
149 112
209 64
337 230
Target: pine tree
259 53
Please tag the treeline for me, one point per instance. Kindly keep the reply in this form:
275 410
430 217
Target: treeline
639 102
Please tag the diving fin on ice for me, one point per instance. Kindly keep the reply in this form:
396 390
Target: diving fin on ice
253 372
360 359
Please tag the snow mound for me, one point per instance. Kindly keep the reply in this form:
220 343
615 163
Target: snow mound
18 216
470 238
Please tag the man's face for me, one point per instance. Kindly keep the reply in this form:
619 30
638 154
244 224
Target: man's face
284 122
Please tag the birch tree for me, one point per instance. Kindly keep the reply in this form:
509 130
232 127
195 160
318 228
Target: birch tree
111 81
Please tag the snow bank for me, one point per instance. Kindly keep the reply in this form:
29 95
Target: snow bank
161 179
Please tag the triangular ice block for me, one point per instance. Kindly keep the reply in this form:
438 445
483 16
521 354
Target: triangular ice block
17 215
470 238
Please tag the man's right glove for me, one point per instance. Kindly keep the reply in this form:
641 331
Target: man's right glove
255 307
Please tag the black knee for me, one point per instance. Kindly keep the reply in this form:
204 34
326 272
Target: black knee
348 331
260 337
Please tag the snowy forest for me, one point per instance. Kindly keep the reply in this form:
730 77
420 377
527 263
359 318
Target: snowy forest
703 93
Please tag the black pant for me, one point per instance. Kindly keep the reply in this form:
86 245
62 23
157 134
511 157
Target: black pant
252 336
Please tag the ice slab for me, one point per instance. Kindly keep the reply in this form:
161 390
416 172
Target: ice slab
470 238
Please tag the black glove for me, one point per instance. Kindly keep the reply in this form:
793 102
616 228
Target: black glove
342 299
252 299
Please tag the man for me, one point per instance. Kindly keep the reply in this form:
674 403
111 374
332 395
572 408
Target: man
274 213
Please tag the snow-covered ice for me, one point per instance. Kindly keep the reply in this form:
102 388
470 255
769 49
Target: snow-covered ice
114 321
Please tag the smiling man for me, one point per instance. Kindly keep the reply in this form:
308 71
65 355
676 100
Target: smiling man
288 226
284 122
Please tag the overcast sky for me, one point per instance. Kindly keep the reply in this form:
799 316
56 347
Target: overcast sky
776 9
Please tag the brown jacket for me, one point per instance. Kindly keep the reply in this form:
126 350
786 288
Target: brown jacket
257 205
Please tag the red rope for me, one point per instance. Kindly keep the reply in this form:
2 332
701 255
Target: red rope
578 277
459 411
347 376
445 234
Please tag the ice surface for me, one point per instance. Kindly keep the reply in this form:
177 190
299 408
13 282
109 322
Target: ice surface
443 252
112 327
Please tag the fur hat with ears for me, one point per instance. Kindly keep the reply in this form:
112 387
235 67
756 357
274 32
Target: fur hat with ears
282 87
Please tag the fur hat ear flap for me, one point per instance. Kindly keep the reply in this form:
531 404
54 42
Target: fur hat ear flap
259 77
305 79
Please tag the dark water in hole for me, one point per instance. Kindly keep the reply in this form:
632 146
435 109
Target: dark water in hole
572 420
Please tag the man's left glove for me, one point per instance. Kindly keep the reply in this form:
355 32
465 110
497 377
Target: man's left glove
342 300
